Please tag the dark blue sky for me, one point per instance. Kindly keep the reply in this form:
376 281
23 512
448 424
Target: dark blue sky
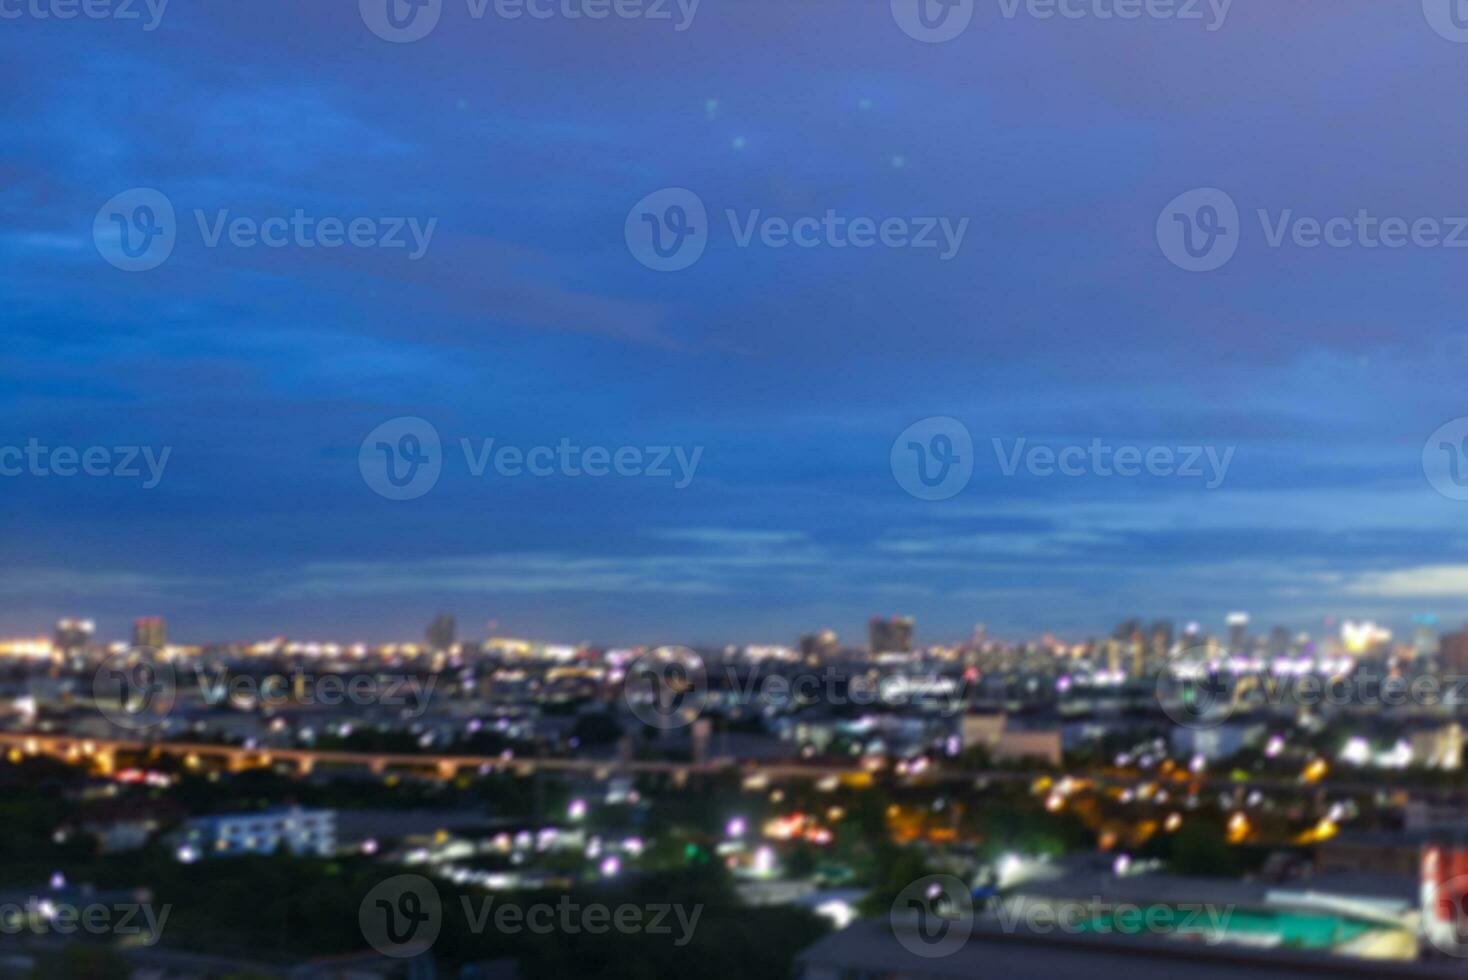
528 320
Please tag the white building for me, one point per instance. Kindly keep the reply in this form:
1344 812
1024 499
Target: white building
308 833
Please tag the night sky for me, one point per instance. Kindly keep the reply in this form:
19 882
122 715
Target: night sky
528 319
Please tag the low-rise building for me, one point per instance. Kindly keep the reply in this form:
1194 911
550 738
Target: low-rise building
299 832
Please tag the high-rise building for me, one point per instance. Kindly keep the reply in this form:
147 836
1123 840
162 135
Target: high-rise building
892 635
441 632
1424 637
1160 641
820 647
1238 632
1279 642
1452 651
73 635
150 632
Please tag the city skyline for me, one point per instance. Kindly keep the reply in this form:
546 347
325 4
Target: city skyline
1324 372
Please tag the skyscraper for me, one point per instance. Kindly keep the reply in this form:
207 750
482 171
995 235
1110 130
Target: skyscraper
150 632
1453 653
73 635
820 646
889 635
440 633
1160 642
1238 632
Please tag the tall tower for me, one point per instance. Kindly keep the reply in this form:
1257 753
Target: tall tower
441 632
150 632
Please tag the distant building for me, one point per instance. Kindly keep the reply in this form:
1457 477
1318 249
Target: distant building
1238 632
1453 653
1438 748
1215 743
299 832
822 646
889 635
1005 742
1161 641
441 632
150 632
74 635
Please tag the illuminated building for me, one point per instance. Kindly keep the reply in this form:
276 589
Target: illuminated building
150 632
1238 632
889 635
298 831
73 635
820 646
